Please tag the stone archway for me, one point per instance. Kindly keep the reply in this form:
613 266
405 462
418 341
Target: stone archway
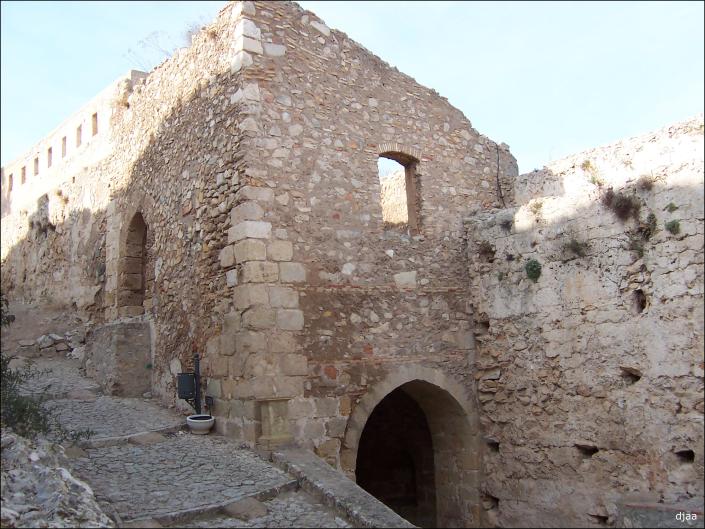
131 268
450 434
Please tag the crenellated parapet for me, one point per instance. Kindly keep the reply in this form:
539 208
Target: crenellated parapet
81 140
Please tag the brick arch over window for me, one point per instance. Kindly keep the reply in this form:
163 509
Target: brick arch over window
455 434
409 158
131 267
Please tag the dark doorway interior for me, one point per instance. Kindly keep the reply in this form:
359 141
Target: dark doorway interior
395 459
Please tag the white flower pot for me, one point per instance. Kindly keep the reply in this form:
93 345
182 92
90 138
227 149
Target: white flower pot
200 424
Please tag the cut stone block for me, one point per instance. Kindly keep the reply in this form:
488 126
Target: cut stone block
292 272
290 319
255 229
249 250
259 272
280 251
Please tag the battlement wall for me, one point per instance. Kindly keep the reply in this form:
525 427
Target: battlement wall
80 140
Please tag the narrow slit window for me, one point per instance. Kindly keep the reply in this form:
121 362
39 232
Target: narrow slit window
94 124
23 177
10 181
397 180
63 147
49 156
36 166
78 136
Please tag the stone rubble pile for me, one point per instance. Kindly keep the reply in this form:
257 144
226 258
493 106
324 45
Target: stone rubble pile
71 344
39 491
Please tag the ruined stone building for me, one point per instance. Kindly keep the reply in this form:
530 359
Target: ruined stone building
507 350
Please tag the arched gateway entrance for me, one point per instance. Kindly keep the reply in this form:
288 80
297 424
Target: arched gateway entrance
413 442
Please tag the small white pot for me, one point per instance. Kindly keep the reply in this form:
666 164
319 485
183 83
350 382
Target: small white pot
200 424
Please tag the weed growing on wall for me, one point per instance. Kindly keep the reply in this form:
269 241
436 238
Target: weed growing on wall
576 247
622 205
673 226
533 269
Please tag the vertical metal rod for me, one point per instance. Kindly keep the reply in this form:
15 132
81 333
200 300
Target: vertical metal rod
197 372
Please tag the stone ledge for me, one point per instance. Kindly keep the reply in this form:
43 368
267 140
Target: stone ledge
334 490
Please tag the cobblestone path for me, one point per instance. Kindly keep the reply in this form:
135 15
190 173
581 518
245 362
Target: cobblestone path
114 416
172 479
60 378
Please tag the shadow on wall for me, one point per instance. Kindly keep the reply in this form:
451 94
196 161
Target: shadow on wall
155 247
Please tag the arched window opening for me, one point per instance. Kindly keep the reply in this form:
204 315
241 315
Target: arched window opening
398 191
133 280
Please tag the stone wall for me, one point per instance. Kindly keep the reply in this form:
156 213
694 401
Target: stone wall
237 212
590 379
392 188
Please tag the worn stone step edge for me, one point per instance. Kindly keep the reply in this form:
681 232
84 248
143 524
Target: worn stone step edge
185 515
104 442
335 490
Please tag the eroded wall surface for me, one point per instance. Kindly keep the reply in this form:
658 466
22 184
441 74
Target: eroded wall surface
591 378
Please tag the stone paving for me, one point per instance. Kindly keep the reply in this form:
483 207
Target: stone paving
182 480
60 378
292 509
114 416
182 472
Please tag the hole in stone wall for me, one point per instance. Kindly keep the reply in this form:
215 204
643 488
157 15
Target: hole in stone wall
489 502
587 451
482 327
638 301
94 124
492 444
36 166
630 375
49 157
78 136
598 519
398 196
685 456
23 177
63 147
9 183
486 252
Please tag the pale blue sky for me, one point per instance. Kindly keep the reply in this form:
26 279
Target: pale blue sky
548 78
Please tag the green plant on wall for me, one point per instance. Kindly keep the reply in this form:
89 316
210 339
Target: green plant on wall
595 178
535 208
533 269
674 227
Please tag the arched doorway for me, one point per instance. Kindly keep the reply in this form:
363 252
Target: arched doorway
132 280
395 459
415 423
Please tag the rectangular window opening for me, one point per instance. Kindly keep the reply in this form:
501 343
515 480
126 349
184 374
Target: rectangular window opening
94 124
398 196
49 156
23 177
10 181
36 166
63 147
78 136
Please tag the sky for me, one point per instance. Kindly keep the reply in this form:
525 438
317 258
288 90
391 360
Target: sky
548 78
